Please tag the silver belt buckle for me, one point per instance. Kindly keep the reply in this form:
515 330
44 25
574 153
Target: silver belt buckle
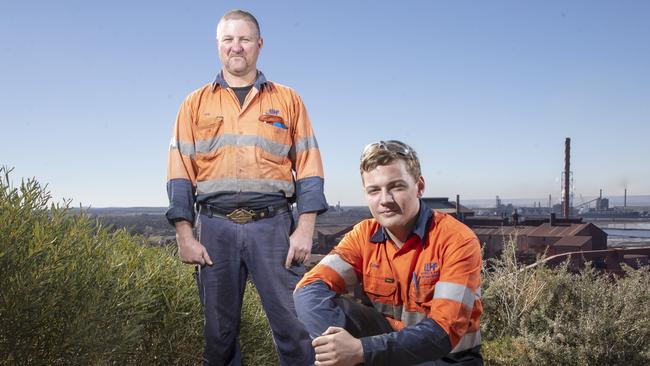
241 216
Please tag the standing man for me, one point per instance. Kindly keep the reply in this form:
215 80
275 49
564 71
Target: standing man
420 270
242 151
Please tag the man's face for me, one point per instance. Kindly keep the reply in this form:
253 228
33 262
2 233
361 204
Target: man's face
393 195
239 46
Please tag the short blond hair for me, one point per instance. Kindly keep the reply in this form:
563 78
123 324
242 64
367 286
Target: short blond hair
386 152
240 14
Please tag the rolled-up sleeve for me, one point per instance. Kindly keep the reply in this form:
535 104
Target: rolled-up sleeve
310 195
181 201
181 176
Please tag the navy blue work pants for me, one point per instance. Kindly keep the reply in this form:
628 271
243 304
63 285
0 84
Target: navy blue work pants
258 248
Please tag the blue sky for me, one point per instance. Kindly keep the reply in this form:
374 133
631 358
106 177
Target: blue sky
485 91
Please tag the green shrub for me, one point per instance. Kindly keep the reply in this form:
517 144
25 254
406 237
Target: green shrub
75 293
543 316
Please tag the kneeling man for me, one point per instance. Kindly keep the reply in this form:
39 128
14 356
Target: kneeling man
420 271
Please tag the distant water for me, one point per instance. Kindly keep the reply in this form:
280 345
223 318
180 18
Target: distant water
636 225
628 233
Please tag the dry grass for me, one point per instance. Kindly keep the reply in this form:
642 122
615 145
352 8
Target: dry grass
542 316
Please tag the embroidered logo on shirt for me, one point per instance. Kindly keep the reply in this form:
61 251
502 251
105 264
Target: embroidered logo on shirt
430 271
430 267
374 265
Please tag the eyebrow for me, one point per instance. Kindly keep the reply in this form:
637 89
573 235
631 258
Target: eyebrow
392 182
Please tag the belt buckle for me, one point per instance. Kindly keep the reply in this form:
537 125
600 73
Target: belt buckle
241 216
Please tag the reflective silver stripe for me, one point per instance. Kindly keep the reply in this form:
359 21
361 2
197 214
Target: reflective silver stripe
469 340
217 142
343 268
455 292
306 143
185 148
395 311
478 293
245 185
412 317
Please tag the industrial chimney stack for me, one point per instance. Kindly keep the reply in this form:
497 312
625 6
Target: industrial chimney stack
567 171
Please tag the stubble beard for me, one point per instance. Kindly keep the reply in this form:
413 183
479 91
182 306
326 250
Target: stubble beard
239 68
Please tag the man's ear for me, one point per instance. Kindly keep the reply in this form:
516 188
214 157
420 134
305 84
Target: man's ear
420 184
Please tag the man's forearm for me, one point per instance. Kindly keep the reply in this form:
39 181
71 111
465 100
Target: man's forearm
183 231
424 341
316 309
306 223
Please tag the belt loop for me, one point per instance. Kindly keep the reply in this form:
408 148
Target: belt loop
207 208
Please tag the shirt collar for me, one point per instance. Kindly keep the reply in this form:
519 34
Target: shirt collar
420 228
260 81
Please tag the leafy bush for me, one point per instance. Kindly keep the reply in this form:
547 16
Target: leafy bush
542 316
74 293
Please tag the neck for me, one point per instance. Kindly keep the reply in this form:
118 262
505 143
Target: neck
401 234
397 239
239 81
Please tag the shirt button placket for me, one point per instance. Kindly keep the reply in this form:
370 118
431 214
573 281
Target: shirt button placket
238 163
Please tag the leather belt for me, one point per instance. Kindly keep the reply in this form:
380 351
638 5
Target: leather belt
243 215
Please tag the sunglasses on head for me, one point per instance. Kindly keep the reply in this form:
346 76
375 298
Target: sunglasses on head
390 145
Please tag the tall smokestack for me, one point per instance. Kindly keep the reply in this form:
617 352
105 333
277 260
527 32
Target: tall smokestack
567 188
625 198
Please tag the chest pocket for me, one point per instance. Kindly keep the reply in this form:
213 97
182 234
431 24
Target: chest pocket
208 127
275 139
423 293
381 292
379 287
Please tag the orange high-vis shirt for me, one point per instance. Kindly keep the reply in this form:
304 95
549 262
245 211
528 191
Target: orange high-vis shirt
266 146
436 275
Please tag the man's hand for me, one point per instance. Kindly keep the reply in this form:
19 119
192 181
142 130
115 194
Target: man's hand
190 251
337 347
300 241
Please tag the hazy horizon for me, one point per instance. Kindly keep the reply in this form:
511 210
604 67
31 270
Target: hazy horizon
632 200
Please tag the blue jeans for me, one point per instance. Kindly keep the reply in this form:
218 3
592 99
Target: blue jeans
258 248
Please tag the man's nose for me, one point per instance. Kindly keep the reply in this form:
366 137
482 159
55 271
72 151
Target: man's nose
236 47
386 197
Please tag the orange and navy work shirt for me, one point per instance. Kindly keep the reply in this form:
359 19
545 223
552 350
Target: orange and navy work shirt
436 274
252 155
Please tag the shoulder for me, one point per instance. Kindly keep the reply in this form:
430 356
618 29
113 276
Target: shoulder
283 90
203 90
449 225
196 95
368 227
452 234
362 232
